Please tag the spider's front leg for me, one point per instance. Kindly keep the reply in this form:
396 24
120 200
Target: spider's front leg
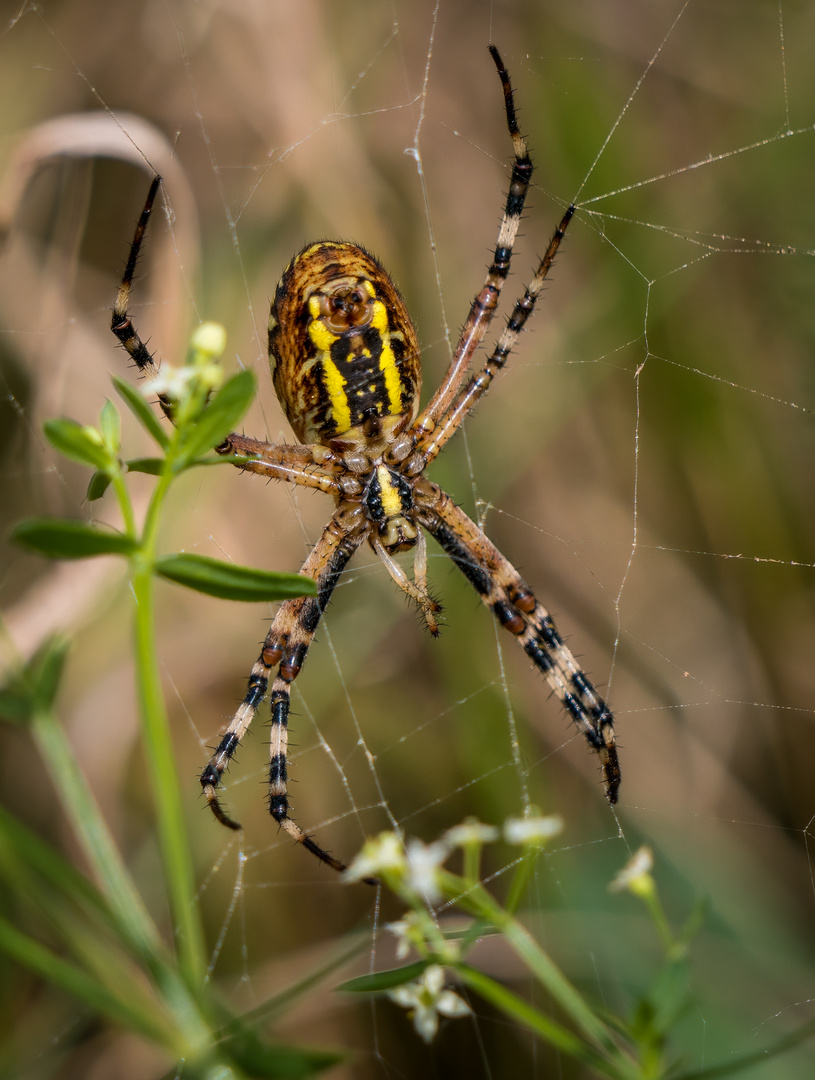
513 603
295 464
120 322
285 647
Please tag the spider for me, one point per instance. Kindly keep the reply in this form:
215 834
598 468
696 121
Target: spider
345 363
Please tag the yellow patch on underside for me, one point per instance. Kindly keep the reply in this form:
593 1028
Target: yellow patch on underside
391 499
317 330
333 381
335 388
387 360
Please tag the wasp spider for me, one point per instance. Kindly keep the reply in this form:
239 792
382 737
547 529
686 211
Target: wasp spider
346 368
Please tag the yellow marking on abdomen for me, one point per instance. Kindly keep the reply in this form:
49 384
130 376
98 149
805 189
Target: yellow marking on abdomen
335 387
333 381
387 361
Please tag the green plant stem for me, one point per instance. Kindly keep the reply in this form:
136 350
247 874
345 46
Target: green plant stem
663 928
521 1011
175 849
520 882
94 837
481 904
54 969
125 504
133 921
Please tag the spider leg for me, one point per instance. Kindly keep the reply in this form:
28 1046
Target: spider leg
294 463
477 385
484 305
120 322
285 647
513 603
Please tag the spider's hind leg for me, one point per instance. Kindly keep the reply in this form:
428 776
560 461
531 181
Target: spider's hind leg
544 646
231 739
512 602
286 646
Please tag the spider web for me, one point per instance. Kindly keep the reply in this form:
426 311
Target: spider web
646 462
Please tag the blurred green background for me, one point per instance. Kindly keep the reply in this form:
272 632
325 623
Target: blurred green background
646 462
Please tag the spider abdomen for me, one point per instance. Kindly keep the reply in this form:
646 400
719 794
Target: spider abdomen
342 349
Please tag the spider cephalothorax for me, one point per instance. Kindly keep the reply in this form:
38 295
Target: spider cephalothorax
346 368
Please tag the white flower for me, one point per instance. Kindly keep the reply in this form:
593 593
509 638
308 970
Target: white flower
382 855
404 930
470 832
176 383
636 874
200 374
424 862
532 830
427 1000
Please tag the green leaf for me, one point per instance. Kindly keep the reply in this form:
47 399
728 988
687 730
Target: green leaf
741 1064
99 483
48 662
230 582
60 538
142 411
668 997
110 424
520 1012
220 416
385 980
82 444
151 465
87 988
15 702
36 685
273 1060
31 867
